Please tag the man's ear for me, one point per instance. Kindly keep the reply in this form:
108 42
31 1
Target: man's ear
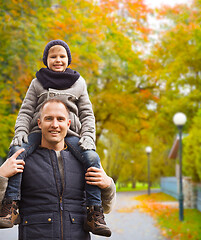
39 123
69 122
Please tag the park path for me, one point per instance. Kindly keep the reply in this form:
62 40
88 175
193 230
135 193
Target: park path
130 226
125 226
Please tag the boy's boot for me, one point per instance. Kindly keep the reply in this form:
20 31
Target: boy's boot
95 222
9 215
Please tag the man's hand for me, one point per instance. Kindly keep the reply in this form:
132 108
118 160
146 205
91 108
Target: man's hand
97 177
12 165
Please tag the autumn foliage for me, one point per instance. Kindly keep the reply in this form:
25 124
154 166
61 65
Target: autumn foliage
135 83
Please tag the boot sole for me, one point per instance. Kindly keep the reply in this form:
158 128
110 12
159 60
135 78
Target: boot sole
104 233
10 224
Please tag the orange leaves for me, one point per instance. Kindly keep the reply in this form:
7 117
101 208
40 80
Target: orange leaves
155 197
158 209
17 1
128 15
109 6
153 208
146 94
156 203
60 25
165 211
128 209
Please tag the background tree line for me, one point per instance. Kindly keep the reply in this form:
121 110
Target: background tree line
136 84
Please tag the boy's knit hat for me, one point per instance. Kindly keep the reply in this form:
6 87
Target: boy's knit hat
53 43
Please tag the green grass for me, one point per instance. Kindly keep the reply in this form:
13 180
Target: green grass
139 187
174 229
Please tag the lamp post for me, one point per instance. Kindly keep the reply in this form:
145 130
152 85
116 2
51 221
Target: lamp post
179 120
148 151
133 174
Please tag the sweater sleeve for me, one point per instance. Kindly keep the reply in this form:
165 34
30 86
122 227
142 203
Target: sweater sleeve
27 110
108 196
3 186
86 115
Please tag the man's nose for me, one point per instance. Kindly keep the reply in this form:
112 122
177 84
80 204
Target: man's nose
55 123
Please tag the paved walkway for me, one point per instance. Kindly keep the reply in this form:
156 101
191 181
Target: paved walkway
130 226
124 226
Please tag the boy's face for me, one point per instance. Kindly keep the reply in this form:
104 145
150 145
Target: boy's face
57 59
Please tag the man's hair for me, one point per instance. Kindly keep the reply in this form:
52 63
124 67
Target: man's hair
53 100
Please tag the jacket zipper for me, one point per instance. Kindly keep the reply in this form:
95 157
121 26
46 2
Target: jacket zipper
61 214
60 197
61 202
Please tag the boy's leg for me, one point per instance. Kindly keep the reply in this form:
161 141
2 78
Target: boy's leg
95 219
88 158
9 213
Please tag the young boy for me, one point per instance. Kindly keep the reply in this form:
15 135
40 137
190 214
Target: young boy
58 81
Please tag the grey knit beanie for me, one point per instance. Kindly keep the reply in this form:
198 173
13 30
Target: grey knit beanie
53 43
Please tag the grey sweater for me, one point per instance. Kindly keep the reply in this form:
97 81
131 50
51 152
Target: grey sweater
77 100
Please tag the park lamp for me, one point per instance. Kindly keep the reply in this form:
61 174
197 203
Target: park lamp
148 151
179 120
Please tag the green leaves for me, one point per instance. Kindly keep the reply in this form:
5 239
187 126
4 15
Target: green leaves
174 64
22 34
134 93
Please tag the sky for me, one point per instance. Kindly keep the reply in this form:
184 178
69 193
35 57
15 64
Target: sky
158 3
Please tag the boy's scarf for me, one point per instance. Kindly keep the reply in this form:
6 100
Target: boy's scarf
57 80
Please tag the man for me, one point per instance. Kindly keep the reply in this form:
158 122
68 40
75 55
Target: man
53 198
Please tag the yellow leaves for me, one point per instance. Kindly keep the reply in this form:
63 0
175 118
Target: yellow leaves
128 209
155 197
153 205
152 208
158 209
15 1
129 16
193 26
60 25
6 18
109 6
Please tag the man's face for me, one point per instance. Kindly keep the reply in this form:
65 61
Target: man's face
57 59
54 123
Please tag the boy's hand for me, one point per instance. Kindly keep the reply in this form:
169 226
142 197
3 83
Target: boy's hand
98 177
19 139
86 143
12 165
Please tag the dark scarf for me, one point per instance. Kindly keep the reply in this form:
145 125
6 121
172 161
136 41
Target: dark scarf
57 80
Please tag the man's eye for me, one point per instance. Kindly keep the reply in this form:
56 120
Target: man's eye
60 119
48 118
